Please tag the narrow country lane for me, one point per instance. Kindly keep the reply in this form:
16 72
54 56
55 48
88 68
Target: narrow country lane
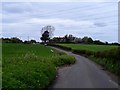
83 74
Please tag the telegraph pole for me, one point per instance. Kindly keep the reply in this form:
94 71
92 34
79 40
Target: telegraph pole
28 38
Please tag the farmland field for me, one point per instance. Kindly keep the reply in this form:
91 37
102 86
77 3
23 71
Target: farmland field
94 48
20 49
30 65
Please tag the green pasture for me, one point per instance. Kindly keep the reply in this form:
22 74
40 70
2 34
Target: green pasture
94 48
12 50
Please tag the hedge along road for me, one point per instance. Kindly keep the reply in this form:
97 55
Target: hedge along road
83 74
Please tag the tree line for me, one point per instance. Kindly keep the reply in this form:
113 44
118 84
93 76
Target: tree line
65 39
72 39
16 40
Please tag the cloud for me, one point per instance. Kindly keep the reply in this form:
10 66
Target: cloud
100 24
60 22
16 7
60 0
80 19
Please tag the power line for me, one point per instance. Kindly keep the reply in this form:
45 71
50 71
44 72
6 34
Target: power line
68 10
77 8
95 18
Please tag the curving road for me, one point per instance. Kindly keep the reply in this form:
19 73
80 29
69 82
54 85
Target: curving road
83 74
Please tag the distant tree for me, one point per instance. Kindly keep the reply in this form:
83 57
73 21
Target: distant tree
66 39
89 41
26 42
11 40
98 42
106 43
6 40
115 43
77 40
16 40
69 38
45 36
57 40
47 33
32 41
85 40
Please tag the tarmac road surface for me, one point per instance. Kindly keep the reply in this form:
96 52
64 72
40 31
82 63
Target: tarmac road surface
83 74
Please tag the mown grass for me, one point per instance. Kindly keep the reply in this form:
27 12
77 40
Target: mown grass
30 66
94 48
21 49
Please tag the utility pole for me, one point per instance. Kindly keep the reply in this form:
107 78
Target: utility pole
28 38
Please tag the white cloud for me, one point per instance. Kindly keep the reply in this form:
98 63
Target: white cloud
60 22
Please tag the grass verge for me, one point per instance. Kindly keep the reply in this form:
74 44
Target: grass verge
26 69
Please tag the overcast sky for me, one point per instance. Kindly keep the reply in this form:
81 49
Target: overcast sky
94 18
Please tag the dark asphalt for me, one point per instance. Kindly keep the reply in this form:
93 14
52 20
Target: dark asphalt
83 74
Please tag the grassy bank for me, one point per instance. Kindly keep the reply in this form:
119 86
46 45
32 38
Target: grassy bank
30 66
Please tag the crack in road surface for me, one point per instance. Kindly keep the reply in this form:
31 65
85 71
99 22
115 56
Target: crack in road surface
83 74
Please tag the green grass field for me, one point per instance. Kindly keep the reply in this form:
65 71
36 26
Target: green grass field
30 65
94 48
21 49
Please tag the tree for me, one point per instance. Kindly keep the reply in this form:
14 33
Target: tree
47 33
16 40
77 40
45 36
85 39
98 42
89 41
32 41
69 38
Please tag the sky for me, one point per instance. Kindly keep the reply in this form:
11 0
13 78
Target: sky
93 18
